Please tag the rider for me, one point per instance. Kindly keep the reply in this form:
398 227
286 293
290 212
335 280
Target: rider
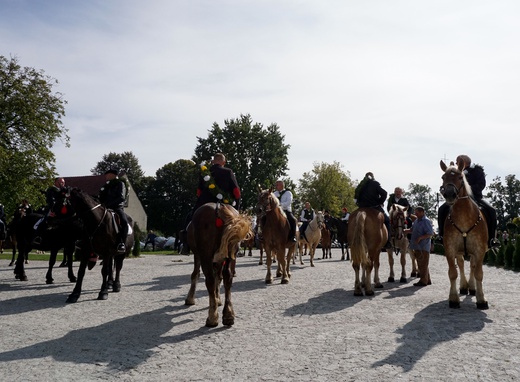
398 198
369 193
52 194
113 195
346 215
216 184
286 197
306 217
476 179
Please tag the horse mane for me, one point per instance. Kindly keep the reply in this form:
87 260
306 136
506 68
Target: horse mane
467 187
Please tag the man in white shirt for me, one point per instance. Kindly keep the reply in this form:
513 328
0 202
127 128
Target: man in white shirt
286 197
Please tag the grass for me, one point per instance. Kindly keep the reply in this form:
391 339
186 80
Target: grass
33 256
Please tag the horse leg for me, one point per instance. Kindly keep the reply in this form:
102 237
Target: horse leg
312 251
367 282
358 291
19 269
375 262
118 260
52 261
228 314
190 299
68 256
282 264
210 271
14 256
74 296
403 267
290 253
106 272
454 301
464 286
268 261
391 276
476 267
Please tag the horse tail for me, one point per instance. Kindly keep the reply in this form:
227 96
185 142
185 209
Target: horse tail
237 227
358 247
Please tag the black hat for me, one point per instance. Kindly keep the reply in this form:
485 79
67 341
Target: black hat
112 171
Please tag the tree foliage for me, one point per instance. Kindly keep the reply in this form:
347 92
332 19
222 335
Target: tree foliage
30 123
505 198
256 154
327 187
421 195
125 162
171 196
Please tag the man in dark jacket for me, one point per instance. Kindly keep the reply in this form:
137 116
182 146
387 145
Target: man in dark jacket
52 194
369 193
216 184
113 195
476 179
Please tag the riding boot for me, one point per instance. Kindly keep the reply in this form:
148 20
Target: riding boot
442 214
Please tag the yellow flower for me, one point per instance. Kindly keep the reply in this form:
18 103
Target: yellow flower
203 168
226 201
211 186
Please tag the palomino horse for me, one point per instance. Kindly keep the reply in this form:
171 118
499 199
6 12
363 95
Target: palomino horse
465 233
274 229
342 229
326 243
214 235
311 236
62 235
99 237
367 234
399 243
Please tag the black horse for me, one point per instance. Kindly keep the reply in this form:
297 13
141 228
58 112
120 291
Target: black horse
341 228
99 238
62 232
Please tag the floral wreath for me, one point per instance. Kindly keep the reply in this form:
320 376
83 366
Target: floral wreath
212 186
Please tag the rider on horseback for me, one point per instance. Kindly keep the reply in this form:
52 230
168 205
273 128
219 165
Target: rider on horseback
306 217
217 184
52 194
286 197
477 181
113 195
369 193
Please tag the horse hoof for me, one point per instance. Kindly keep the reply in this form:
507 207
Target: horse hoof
278 274
285 281
26 262
189 302
72 299
49 281
358 293
378 286
454 304
228 321
391 280
463 291
268 281
403 280
472 292
72 279
369 293
103 296
260 263
482 305
116 288
413 274
211 324
11 263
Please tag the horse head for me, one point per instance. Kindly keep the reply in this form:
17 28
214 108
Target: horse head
266 202
397 220
320 219
454 183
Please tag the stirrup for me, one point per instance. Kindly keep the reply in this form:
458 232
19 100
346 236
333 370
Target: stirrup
121 248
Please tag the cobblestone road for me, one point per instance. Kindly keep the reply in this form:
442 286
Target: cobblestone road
312 329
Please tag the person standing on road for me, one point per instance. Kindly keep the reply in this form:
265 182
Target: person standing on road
420 243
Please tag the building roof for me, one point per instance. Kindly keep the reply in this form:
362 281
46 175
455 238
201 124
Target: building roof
91 184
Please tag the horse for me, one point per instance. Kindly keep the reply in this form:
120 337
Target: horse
311 236
100 237
342 229
274 229
64 232
367 234
465 233
326 243
214 235
399 243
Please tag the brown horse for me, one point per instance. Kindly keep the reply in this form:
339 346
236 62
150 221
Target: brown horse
399 243
326 243
214 235
465 233
311 237
342 230
274 229
367 234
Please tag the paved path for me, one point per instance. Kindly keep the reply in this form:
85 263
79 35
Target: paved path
312 329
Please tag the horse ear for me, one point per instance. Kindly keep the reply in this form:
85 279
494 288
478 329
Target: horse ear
443 166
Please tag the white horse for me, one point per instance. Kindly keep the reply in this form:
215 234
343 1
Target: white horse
311 236
399 243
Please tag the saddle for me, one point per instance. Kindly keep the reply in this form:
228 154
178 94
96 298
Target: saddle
117 222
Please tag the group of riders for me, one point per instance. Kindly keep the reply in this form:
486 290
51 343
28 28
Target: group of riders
368 194
112 195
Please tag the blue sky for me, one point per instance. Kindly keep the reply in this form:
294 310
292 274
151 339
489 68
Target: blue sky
384 86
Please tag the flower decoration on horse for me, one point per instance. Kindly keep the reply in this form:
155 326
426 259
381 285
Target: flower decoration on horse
213 187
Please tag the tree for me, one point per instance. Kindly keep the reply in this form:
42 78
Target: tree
505 199
257 155
125 162
30 123
420 195
327 187
171 196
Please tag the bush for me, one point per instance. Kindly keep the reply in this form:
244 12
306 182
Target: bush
499 261
508 255
516 255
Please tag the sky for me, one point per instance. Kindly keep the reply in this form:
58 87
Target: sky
390 87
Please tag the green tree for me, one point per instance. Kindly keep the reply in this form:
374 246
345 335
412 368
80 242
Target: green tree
30 124
421 195
256 154
327 187
171 196
505 198
125 162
